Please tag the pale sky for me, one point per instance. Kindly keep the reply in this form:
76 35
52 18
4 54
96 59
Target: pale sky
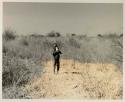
79 18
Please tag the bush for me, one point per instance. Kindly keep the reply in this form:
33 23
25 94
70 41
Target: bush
51 34
57 34
9 35
5 49
36 35
54 34
121 35
14 71
99 35
73 34
13 92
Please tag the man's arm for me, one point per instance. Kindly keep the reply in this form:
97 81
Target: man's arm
60 52
54 53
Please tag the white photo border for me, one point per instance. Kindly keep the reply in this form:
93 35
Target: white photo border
58 1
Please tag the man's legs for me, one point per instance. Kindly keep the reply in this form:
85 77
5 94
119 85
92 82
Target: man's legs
58 66
54 65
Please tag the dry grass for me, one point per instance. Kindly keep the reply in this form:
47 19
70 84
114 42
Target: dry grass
77 80
22 56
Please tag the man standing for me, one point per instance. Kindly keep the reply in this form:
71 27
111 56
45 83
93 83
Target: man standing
56 55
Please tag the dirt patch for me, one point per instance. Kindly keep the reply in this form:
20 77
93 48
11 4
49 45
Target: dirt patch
77 81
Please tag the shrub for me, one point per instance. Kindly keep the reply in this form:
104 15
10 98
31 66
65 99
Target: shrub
54 34
5 49
9 35
13 92
121 35
36 35
51 34
14 71
99 35
73 34
58 34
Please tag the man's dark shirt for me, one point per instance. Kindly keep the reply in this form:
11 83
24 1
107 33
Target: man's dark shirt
56 54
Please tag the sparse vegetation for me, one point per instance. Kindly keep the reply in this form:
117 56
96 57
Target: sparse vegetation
23 57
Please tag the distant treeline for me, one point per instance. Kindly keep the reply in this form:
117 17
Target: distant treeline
10 34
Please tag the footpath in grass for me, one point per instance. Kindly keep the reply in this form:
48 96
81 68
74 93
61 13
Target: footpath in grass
77 80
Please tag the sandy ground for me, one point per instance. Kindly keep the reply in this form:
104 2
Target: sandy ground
77 80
